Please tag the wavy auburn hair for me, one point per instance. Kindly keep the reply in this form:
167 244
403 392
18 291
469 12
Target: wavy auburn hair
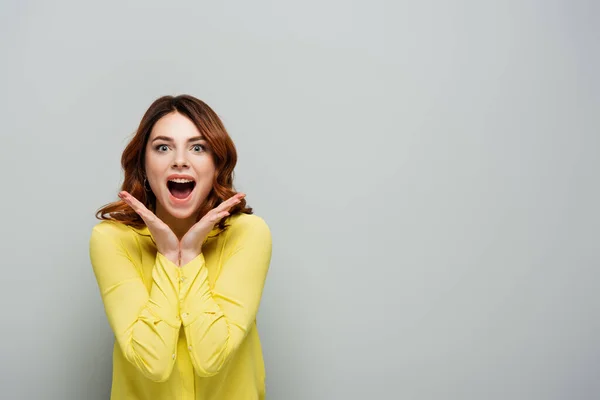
222 151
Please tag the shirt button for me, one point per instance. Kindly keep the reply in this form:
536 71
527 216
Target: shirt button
190 348
173 356
182 278
185 315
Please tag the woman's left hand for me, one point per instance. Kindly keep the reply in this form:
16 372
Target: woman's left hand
191 243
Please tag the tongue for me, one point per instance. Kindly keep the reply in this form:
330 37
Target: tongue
181 190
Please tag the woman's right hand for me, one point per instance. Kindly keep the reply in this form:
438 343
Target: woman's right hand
166 241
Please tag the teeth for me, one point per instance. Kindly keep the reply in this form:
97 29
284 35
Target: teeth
180 180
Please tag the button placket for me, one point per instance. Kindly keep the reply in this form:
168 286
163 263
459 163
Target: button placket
181 279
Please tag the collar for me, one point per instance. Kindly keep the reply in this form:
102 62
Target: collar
144 231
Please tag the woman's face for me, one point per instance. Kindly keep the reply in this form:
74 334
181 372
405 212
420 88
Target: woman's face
179 166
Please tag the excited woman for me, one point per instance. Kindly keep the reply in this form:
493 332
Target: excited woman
181 262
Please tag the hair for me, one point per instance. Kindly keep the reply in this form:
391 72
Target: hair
222 150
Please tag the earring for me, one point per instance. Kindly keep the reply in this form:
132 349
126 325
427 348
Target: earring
148 189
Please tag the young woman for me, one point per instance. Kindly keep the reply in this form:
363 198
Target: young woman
181 262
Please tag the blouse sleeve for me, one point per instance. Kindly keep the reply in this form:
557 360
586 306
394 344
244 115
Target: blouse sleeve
217 320
146 324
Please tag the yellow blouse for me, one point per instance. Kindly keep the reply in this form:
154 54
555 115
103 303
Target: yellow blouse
214 298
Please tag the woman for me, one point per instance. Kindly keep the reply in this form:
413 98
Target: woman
181 262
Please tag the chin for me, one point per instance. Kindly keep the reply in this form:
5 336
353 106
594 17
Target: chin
177 210
179 214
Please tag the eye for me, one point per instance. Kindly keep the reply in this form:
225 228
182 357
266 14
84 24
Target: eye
198 147
158 148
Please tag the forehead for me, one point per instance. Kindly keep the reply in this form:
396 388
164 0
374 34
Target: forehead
174 125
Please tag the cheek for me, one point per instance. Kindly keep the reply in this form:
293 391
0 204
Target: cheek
206 169
206 177
154 170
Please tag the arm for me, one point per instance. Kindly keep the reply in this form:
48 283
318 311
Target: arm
146 325
216 321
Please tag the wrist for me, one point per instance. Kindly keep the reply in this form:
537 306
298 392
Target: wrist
189 255
171 256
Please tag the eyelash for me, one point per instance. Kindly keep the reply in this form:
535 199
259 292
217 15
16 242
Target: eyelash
157 147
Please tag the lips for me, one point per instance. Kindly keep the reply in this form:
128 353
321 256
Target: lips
181 176
181 186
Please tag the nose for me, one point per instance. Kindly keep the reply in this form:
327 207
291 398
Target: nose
180 162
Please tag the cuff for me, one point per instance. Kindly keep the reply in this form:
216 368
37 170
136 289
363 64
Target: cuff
167 270
197 300
164 294
189 273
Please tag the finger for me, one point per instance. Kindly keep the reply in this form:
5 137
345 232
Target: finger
219 215
232 201
138 207
211 217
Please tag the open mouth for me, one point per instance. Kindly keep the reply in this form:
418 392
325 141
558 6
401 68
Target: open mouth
180 189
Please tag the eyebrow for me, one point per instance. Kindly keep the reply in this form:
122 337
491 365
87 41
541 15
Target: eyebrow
168 139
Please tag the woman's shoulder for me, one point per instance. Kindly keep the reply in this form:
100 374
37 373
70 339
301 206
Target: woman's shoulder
243 226
244 221
112 230
110 236
247 231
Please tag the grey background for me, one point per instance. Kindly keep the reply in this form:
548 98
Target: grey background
429 171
